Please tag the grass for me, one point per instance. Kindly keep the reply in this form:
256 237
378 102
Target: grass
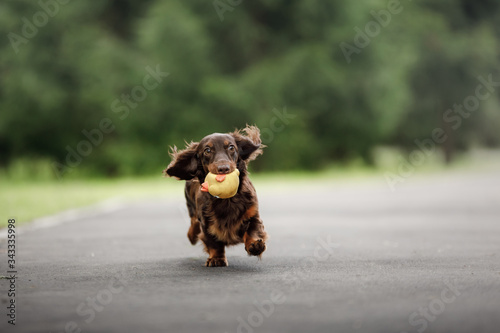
26 200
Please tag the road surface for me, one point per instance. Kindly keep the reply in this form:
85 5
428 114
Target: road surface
343 257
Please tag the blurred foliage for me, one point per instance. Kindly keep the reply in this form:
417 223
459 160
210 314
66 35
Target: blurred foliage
88 61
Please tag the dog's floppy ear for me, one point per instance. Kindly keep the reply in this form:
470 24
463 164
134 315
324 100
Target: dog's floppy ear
184 163
249 143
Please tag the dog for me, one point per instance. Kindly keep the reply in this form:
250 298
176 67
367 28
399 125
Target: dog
221 222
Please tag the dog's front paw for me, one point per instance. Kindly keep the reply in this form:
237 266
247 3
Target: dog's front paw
256 247
216 262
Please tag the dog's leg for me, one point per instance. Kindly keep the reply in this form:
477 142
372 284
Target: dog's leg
194 230
216 251
255 237
216 257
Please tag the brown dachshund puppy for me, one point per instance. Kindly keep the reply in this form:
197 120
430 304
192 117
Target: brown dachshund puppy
221 222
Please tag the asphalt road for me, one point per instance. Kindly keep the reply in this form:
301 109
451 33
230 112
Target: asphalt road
342 257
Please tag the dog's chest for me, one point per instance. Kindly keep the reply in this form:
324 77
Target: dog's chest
229 234
227 225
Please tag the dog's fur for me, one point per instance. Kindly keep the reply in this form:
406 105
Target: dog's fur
221 222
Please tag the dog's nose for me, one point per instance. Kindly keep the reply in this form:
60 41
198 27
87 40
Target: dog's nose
224 168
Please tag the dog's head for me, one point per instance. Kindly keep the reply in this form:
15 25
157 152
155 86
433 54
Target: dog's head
216 153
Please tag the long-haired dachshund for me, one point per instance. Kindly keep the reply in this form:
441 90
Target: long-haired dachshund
221 222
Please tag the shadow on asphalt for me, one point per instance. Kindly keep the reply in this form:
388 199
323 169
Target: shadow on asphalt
192 266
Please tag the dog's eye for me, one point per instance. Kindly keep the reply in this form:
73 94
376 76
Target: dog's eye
230 148
207 151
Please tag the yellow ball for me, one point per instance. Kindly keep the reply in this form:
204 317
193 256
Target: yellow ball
222 186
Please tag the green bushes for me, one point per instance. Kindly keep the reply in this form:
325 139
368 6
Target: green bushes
90 62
